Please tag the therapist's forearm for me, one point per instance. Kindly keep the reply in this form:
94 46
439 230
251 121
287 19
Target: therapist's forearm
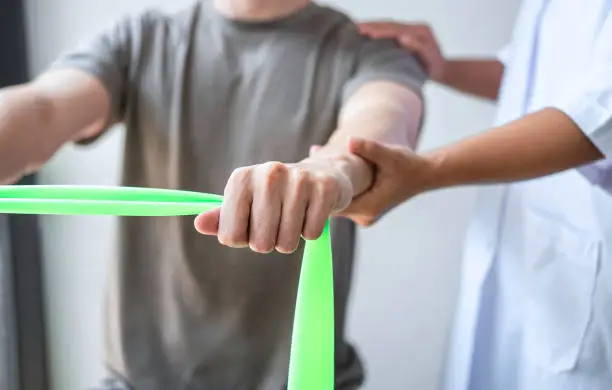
480 78
536 145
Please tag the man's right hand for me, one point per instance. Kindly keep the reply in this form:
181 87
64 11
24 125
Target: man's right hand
417 38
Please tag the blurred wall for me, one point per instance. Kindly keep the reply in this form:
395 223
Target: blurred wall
408 265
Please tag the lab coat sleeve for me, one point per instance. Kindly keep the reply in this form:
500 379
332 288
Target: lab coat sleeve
589 103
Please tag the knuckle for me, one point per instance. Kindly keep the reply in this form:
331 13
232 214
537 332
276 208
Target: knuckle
366 220
301 176
240 174
274 167
274 170
328 185
301 179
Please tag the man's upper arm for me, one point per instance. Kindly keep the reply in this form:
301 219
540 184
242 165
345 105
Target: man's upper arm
384 60
383 100
77 102
99 71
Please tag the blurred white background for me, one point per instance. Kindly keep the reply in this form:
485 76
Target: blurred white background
408 265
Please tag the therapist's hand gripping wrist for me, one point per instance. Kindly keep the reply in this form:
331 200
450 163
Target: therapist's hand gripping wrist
399 174
419 39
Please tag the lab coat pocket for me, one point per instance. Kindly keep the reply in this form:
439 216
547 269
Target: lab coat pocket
562 264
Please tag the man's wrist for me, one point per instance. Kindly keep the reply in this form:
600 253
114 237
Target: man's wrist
359 172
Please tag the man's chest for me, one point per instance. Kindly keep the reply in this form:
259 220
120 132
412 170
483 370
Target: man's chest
234 102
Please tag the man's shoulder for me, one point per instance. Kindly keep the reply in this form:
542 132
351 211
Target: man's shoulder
347 29
343 23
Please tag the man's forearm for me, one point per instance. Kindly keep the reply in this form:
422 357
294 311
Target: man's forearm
24 141
481 78
536 145
37 118
393 119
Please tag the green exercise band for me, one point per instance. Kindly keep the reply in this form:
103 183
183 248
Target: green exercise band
311 364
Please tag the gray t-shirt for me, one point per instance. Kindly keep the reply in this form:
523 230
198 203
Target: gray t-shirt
201 95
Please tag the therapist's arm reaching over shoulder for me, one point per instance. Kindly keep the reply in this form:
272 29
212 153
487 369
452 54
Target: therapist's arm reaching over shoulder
479 77
543 143
269 206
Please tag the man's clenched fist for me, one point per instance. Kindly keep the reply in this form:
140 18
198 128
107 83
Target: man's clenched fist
270 206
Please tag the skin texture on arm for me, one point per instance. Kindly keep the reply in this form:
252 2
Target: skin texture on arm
269 206
37 118
381 111
481 78
539 144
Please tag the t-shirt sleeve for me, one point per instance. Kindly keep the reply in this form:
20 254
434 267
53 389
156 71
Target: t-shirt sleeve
111 57
385 60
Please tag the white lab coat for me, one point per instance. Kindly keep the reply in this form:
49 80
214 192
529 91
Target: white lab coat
535 305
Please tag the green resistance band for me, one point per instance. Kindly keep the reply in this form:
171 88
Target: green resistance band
311 365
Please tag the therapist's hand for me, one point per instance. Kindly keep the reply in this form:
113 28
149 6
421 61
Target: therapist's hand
270 206
400 174
416 38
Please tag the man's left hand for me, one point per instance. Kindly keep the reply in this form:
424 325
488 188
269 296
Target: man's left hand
270 206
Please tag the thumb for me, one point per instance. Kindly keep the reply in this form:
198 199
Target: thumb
208 223
372 151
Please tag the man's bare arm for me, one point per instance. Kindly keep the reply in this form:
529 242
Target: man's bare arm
381 111
37 118
269 206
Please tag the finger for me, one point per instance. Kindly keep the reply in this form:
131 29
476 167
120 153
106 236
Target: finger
236 209
363 219
420 32
267 207
384 34
366 209
360 211
293 213
208 223
380 28
322 201
372 151
417 48
372 25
